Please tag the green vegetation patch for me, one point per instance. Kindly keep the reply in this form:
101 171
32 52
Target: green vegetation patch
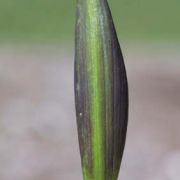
53 20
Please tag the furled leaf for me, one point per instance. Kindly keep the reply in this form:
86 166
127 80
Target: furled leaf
101 91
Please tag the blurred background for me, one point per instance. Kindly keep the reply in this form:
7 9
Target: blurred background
38 138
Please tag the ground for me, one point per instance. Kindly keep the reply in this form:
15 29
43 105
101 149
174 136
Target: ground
38 138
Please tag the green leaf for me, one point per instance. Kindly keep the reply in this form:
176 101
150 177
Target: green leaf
101 91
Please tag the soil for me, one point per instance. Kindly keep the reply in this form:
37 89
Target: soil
38 138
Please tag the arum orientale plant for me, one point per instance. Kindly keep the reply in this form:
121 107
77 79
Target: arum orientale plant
101 91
